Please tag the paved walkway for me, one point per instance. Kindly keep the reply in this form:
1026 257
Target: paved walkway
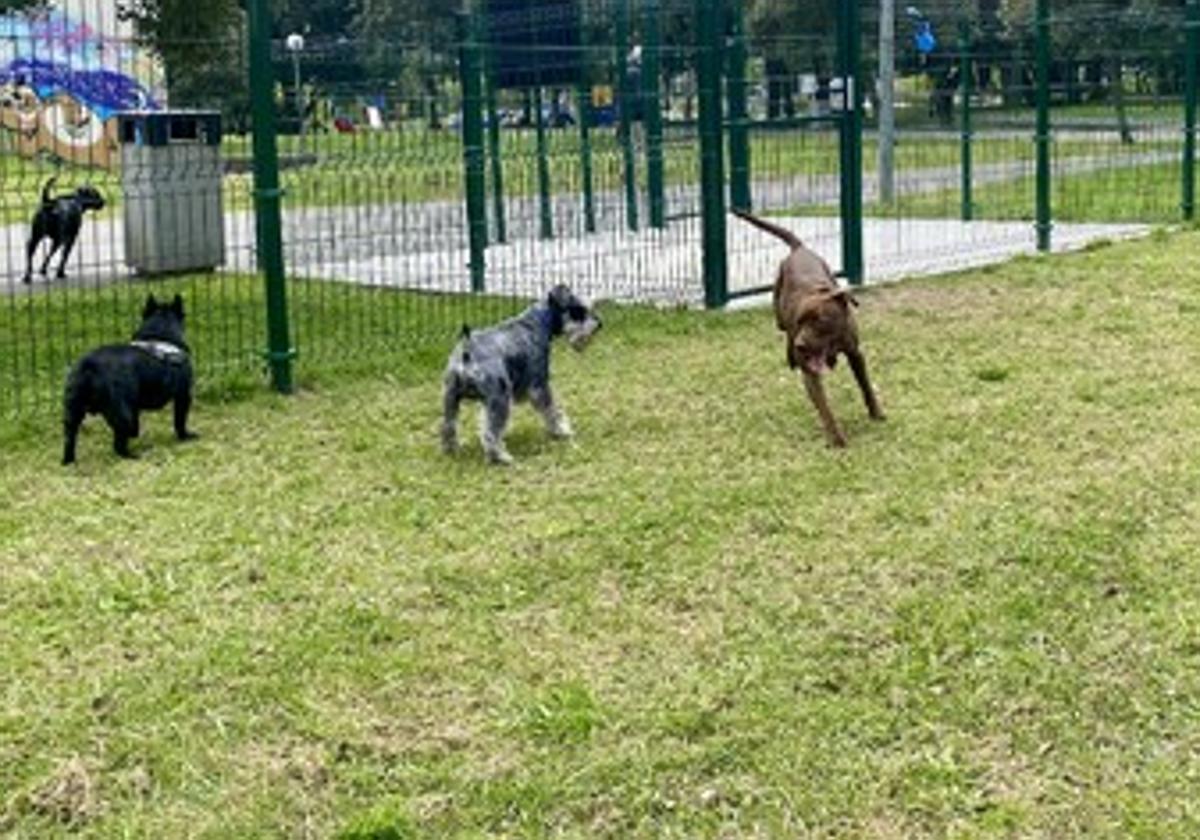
667 266
423 246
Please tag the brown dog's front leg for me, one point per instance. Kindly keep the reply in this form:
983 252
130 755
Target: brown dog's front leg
858 364
816 392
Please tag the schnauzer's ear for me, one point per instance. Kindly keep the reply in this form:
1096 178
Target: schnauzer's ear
151 306
177 305
559 297
466 331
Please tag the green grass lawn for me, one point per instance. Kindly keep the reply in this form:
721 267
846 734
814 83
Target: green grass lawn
1148 193
418 165
980 620
358 331
380 170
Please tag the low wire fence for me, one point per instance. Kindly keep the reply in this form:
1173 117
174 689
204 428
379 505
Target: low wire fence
594 142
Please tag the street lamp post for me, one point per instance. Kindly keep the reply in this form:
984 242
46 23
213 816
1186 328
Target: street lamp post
295 45
887 101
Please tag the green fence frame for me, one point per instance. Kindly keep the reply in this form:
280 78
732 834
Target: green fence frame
496 181
1188 188
267 195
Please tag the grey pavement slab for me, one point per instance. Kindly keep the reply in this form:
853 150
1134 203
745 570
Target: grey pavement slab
424 246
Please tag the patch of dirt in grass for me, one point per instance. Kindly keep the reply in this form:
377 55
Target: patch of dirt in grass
303 764
943 300
68 796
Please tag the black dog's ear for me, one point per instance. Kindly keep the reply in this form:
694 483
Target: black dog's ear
177 305
90 197
466 331
151 306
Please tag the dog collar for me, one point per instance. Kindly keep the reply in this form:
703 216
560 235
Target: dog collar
164 351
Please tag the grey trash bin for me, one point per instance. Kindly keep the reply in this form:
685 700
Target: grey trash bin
171 180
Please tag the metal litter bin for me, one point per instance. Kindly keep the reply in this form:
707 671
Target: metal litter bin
171 179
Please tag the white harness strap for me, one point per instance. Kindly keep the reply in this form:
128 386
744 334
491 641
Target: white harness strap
162 350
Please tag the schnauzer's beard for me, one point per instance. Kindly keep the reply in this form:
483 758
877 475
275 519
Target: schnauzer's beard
579 333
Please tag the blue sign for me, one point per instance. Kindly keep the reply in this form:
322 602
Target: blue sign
924 38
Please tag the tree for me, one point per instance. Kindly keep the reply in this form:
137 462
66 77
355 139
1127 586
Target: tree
808 45
1110 38
325 19
202 46
410 42
801 35
10 6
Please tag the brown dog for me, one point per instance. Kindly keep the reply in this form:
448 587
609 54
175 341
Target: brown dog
816 316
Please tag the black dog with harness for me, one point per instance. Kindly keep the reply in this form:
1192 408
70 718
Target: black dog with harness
119 381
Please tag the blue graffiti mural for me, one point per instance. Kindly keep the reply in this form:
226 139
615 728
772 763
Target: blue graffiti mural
61 82
104 92
52 32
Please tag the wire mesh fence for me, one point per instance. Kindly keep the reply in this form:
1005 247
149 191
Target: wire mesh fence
587 167
964 180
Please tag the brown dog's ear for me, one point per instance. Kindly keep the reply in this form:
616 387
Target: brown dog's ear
151 306
844 296
811 306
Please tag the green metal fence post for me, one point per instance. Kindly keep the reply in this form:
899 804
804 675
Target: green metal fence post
850 141
1192 28
470 68
546 230
652 113
1042 138
267 198
712 158
494 152
584 98
739 124
965 71
625 101
583 95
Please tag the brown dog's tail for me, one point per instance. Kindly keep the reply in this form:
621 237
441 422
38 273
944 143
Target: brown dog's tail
46 189
787 236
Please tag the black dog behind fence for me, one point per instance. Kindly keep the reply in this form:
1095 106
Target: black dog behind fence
59 219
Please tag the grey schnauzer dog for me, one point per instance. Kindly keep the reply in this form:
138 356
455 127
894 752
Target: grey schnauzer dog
509 363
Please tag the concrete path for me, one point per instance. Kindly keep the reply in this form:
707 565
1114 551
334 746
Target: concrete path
423 246
667 266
